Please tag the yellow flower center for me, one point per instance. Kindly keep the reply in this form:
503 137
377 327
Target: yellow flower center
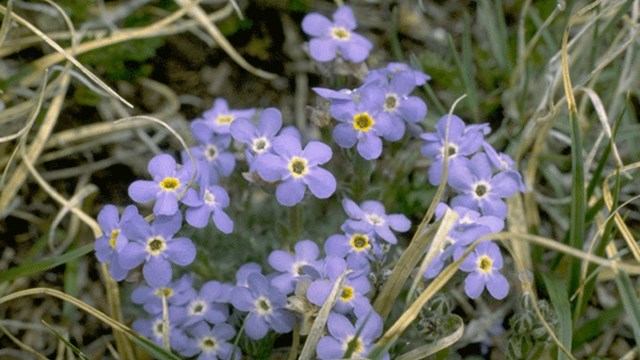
355 343
359 242
485 264
363 122
224 119
340 33
347 293
164 291
112 240
298 167
169 184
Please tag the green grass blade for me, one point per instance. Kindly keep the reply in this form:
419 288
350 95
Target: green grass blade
39 266
578 203
630 302
593 327
66 342
559 298
155 350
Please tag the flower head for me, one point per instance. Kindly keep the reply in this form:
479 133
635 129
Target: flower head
392 68
109 245
371 216
208 305
297 169
290 266
400 107
463 141
258 138
356 284
265 305
220 117
343 335
211 155
211 343
208 204
360 123
167 185
331 38
483 266
155 246
479 188
177 293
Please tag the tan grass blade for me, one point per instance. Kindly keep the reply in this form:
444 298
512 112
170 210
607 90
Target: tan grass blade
197 13
317 329
66 54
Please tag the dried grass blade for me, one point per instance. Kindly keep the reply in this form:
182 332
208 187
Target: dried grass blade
309 348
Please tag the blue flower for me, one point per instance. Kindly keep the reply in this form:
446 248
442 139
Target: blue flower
392 68
208 204
109 245
360 123
354 288
167 184
155 246
211 343
177 293
463 141
483 266
479 188
400 107
337 36
290 266
258 138
342 334
297 169
265 305
209 304
152 329
352 244
213 161
220 117
371 216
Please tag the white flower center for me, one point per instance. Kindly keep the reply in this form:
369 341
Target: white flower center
374 219
263 306
481 190
260 145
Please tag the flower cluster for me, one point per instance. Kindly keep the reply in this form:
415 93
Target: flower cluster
481 178
381 108
204 317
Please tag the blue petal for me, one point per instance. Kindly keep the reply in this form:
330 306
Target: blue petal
180 251
132 255
344 135
270 122
498 286
290 192
223 221
143 191
370 147
321 183
473 285
157 271
322 49
256 327
161 166
316 25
